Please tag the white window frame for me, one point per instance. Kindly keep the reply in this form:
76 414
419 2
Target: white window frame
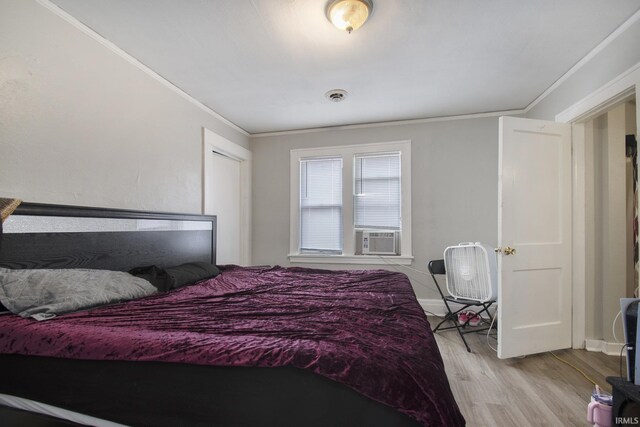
347 152
336 194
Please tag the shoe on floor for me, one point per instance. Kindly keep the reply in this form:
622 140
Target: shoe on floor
474 318
462 318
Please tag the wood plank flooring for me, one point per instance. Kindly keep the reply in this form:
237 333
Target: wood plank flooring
538 390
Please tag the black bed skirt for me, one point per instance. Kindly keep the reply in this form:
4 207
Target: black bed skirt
171 394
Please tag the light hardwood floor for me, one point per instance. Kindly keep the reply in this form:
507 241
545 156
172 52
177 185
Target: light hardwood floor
538 390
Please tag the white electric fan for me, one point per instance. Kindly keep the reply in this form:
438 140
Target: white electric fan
471 272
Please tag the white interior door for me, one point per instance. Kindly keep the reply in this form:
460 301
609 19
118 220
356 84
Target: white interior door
534 219
223 193
224 202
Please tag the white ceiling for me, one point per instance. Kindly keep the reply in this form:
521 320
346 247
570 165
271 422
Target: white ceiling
266 64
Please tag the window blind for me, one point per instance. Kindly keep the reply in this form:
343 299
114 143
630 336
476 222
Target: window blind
377 191
321 205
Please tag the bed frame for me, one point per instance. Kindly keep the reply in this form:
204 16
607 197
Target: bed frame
155 393
106 239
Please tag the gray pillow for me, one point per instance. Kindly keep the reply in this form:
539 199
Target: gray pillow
44 293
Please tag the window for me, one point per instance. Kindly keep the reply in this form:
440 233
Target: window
321 205
377 191
337 192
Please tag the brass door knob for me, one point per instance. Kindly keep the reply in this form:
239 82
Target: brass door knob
507 251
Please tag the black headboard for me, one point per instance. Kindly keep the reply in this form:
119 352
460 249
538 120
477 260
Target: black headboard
56 236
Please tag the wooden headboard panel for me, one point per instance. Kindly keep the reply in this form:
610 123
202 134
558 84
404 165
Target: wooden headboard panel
56 236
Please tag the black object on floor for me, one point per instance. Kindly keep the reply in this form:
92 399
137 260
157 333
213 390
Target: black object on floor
436 267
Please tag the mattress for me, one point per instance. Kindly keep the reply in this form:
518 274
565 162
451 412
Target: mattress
363 331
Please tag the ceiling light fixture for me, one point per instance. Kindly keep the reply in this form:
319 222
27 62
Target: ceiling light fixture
349 15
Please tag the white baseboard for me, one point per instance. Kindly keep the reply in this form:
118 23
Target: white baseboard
433 306
437 307
608 348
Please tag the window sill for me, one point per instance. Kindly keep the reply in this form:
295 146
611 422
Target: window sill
351 259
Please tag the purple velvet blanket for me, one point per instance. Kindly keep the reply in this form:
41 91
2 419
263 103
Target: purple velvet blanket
364 329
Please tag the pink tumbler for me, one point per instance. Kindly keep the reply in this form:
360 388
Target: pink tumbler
599 410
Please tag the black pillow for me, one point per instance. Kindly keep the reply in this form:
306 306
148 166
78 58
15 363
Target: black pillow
191 272
169 278
155 275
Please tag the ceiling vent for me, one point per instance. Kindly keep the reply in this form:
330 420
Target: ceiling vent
336 95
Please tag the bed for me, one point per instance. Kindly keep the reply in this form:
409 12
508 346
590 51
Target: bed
257 346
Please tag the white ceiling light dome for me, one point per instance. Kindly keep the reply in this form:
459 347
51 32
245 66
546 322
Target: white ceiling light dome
349 15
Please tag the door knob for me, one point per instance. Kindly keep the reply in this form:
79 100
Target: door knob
506 251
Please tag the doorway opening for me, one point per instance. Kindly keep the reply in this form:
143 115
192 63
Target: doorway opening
581 115
610 237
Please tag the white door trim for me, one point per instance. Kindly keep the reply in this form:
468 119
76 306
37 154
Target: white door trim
214 142
615 91
602 99
578 238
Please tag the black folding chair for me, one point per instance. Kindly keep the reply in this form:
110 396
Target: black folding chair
436 267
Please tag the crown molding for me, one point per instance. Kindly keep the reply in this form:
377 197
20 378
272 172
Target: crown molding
585 59
55 9
111 46
392 123
619 89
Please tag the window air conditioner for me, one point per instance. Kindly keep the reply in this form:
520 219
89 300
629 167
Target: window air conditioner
379 242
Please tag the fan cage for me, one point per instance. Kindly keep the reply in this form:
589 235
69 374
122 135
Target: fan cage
470 274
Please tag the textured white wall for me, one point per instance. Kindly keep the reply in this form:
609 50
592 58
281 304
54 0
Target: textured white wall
454 195
81 125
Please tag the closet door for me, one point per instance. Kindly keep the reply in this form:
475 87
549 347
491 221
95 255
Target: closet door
224 202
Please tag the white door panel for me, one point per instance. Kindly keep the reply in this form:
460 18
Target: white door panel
534 283
224 202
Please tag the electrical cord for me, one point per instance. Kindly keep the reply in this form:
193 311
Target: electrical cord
576 368
489 331
621 350
615 319
613 327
